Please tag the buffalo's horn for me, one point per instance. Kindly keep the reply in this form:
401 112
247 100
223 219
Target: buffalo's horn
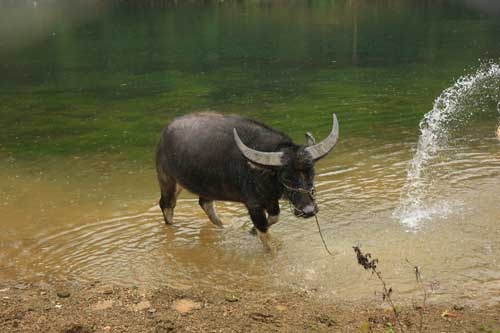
320 150
259 157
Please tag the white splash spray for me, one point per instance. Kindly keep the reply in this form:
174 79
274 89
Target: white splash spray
452 106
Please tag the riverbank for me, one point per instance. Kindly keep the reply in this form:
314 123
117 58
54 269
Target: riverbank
74 307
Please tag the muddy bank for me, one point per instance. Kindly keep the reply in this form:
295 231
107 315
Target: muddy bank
95 307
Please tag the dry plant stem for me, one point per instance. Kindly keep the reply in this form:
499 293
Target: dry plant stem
387 296
421 312
371 265
420 283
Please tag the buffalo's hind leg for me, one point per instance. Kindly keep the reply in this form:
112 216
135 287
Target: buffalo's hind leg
170 189
209 208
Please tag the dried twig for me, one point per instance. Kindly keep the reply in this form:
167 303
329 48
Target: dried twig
420 282
370 264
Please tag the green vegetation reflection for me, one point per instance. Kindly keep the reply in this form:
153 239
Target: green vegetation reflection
107 79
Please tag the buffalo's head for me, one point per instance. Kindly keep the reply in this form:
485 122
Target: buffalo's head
295 167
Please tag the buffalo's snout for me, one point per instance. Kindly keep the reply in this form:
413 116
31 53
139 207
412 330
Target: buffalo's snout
307 211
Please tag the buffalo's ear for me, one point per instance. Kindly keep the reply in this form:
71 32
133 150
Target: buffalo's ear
310 139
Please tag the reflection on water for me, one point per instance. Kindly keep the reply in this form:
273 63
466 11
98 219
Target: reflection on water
91 78
85 91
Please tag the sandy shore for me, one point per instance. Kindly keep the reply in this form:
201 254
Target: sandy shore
95 307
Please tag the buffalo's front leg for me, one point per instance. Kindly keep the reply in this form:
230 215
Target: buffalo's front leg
259 219
273 213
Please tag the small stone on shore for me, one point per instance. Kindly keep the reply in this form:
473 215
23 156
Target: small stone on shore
21 286
143 305
232 298
102 305
281 308
185 305
63 294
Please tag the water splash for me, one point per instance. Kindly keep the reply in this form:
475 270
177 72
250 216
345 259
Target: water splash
452 108
498 128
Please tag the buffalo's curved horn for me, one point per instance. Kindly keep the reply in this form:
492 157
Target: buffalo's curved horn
259 157
320 150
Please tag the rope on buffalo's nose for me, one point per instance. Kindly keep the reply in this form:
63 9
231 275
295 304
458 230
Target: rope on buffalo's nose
312 193
321 235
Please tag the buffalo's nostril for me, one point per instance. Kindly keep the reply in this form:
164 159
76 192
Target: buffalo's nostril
309 211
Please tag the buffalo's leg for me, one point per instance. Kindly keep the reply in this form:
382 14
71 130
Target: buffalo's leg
169 192
209 208
259 219
273 215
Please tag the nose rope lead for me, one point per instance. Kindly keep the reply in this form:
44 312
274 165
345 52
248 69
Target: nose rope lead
299 190
312 194
321 235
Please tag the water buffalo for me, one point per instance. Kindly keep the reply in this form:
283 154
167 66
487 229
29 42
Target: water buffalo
232 158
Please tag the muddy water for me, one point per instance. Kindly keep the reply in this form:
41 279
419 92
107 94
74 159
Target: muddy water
84 95
81 221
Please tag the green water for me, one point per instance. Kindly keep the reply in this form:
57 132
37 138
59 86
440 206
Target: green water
79 79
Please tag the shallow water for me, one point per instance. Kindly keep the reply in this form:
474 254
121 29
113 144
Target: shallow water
84 96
